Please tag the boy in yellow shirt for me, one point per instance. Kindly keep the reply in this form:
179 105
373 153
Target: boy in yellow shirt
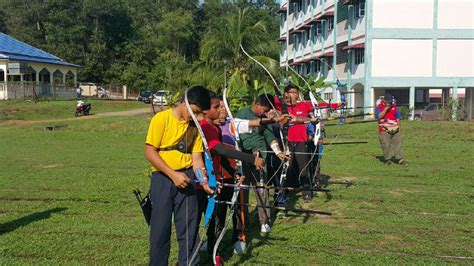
174 149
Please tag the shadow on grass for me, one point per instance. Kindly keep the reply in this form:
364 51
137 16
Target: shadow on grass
26 220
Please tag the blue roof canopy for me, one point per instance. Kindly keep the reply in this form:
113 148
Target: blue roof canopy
13 49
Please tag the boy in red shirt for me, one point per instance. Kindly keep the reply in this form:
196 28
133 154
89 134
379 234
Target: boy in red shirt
220 153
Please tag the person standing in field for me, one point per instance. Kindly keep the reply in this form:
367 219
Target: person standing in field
174 149
390 137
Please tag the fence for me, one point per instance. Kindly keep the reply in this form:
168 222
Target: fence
33 90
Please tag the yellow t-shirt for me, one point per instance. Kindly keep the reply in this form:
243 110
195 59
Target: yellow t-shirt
166 130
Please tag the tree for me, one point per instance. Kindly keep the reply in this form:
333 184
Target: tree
3 26
224 45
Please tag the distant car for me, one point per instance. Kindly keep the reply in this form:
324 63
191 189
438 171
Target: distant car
144 96
159 97
430 112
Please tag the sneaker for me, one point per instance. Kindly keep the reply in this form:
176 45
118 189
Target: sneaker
402 162
239 247
265 228
281 214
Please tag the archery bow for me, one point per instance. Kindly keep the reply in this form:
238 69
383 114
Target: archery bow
212 182
238 171
283 129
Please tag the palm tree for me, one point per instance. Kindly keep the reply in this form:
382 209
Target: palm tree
222 46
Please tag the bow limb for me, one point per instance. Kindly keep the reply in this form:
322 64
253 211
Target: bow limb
212 181
238 170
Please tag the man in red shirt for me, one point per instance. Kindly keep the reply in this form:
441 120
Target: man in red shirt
298 173
389 129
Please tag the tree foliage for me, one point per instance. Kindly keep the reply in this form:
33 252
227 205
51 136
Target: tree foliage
159 44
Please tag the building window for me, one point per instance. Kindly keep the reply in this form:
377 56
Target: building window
328 96
316 66
330 24
319 29
282 19
358 56
359 9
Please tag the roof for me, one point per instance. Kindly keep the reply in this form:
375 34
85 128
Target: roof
354 46
13 49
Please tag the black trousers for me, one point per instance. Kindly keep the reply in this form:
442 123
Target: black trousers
168 200
252 177
298 171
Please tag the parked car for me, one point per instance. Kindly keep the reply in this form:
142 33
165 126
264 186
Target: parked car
159 97
430 112
144 96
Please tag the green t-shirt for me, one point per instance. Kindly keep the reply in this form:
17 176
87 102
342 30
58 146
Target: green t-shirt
258 140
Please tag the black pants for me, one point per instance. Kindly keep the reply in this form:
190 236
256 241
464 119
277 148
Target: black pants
168 200
298 171
218 219
252 176
315 166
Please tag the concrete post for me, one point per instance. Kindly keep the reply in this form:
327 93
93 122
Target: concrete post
455 103
412 103
125 92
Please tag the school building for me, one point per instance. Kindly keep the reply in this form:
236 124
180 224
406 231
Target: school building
402 47
28 72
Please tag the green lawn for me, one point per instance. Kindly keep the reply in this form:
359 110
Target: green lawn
66 198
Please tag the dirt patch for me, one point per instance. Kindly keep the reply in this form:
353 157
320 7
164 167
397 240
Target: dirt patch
51 166
388 239
135 112
395 193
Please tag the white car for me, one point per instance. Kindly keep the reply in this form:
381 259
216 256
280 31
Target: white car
159 97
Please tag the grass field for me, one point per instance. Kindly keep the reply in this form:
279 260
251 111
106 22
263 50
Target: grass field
65 197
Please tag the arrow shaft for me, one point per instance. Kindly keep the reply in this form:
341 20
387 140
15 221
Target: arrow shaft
278 208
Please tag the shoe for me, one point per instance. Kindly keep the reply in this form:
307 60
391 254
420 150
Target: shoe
388 162
265 228
239 247
402 162
281 214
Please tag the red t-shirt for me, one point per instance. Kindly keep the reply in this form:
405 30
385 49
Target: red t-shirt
297 132
212 133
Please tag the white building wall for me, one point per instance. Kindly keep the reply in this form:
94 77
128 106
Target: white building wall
358 28
455 58
358 71
407 14
3 86
456 14
401 58
3 66
52 68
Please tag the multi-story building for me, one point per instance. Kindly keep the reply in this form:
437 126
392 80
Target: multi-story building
403 47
